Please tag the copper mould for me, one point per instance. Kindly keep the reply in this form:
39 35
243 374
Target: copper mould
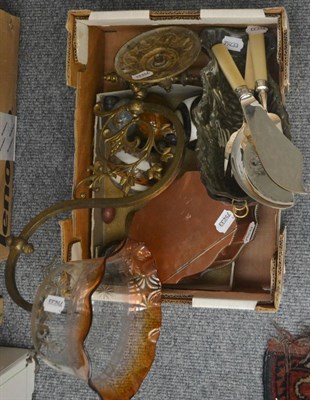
179 228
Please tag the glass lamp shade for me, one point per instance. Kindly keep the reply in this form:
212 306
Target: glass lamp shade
71 312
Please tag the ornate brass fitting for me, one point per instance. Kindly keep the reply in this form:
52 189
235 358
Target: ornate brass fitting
131 130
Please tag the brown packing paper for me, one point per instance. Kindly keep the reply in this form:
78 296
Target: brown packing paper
84 117
9 43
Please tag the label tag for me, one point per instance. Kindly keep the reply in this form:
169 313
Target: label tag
249 233
142 75
255 30
7 136
233 43
54 304
224 221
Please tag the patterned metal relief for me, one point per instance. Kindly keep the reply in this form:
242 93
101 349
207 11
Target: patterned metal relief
157 55
139 144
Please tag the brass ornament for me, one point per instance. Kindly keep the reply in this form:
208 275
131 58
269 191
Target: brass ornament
240 209
135 129
157 55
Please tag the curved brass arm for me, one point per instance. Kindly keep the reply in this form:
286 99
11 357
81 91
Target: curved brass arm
20 244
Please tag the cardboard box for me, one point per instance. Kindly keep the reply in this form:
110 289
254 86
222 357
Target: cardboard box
17 373
93 40
9 43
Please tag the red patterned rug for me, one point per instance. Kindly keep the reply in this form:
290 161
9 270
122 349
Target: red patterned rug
287 368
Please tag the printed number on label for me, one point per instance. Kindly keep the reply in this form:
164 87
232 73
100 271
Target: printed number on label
233 43
142 75
255 30
224 221
54 304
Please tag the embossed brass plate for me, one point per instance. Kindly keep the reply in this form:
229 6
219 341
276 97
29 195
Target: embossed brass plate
157 55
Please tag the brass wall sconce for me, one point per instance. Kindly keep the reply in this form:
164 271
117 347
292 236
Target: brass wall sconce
62 311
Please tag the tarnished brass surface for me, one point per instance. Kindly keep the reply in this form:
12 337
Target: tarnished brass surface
137 136
157 55
217 116
240 208
160 174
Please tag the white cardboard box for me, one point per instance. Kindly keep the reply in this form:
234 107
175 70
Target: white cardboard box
17 370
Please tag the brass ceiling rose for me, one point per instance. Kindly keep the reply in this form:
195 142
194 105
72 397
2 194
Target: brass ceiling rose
157 55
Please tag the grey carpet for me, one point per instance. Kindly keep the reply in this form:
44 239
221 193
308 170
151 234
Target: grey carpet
201 354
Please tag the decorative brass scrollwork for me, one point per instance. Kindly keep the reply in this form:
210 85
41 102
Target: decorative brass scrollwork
139 131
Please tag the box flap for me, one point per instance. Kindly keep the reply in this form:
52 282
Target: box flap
143 17
211 16
129 17
200 302
73 65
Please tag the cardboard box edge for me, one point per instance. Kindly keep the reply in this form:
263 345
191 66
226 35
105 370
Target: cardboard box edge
4 250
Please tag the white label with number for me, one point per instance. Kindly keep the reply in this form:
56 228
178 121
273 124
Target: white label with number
255 30
142 75
249 233
7 136
54 304
224 221
233 43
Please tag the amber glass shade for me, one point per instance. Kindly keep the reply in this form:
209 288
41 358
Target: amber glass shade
71 300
